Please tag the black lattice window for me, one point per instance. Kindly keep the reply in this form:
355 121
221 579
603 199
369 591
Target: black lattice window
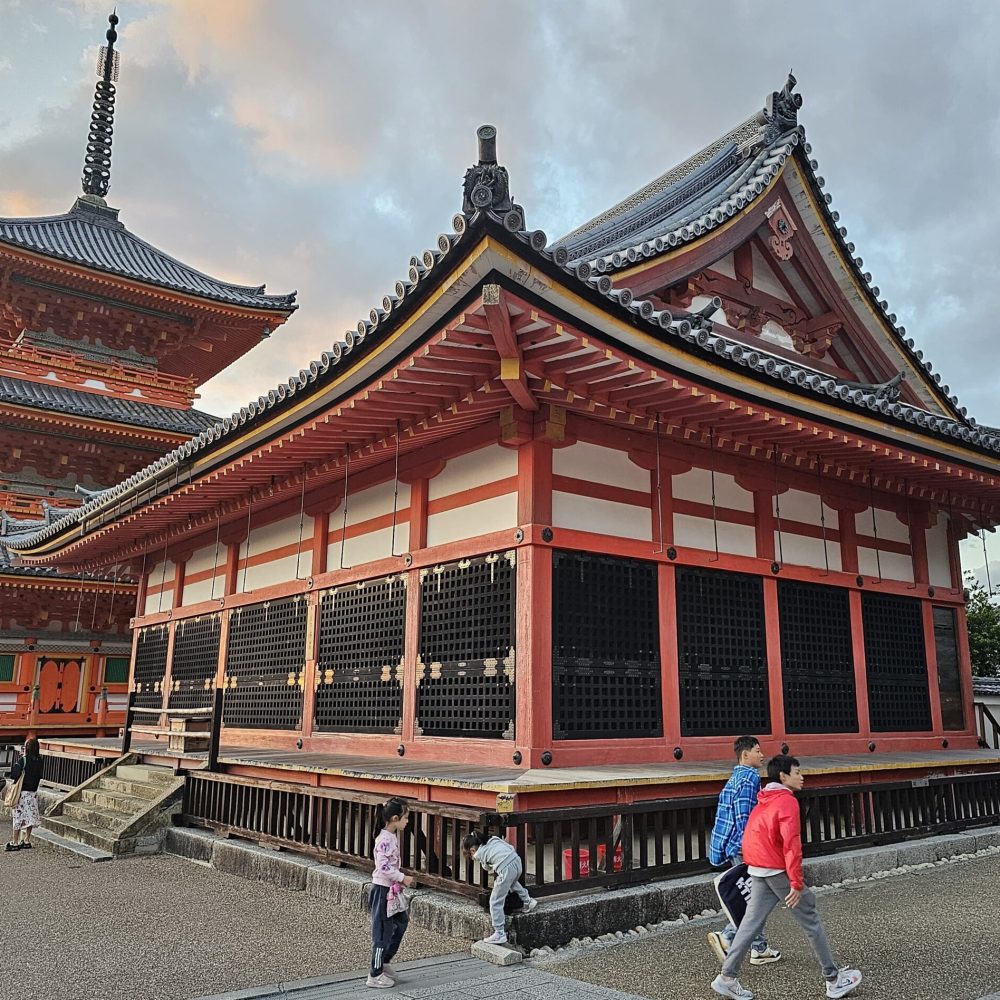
817 658
116 670
265 659
359 673
465 684
195 662
896 659
150 665
6 668
605 648
722 653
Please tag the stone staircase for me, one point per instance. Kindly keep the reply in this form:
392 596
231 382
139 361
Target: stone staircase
122 810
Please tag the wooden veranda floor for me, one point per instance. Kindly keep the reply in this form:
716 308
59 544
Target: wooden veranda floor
519 781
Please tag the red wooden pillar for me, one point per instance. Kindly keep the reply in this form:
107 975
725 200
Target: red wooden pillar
419 489
847 526
670 690
533 669
180 569
309 668
411 643
930 650
534 483
168 669
140 597
775 679
320 542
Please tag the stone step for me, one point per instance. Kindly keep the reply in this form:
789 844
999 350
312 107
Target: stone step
130 805
99 819
140 789
149 773
82 833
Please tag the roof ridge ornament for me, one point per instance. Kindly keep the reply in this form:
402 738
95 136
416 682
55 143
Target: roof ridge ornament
97 163
487 185
882 390
781 109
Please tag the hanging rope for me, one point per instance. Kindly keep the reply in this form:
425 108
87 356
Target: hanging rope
163 575
822 511
302 519
114 588
343 528
711 469
986 560
871 503
659 486
246 564
777 508
215 561
395 495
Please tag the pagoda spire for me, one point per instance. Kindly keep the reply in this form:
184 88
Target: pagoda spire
97 163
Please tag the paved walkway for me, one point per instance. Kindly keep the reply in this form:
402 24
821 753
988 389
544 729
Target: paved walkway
455 977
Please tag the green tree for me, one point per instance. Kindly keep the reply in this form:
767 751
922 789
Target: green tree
983 616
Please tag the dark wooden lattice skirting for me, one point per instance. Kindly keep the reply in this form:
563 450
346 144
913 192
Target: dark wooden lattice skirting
150 665
195 662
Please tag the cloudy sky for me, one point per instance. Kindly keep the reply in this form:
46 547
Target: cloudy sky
316 145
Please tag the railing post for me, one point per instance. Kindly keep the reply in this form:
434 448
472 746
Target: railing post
216 730
129 719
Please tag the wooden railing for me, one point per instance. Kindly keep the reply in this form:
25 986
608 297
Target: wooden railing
8 754
987 726
67 771
335 825
568 850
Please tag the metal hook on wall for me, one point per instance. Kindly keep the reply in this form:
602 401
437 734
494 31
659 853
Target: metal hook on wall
246 562
114 588
343 527
986 560
163 574
93 614
215 560
302 519
822 512
951 536
395 496
79 602
909 517
777 506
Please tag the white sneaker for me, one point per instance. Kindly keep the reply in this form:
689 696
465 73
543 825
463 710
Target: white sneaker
731 989
765 957
719 945
388 970
847 982
497 937
382 982
531 906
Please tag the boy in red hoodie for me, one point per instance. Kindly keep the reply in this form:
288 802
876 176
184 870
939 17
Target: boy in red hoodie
772 849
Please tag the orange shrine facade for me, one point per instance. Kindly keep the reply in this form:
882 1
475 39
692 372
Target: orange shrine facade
613 500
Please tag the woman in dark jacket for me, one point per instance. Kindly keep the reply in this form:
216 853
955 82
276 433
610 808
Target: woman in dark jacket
26 816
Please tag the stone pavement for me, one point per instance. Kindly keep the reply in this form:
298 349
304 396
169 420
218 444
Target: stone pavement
454 977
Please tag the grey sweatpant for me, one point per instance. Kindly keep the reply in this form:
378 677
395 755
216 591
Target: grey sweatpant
506 880
765 894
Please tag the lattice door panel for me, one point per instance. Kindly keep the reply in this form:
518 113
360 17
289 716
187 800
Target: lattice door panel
722 653
817 658
896 659
195 662
265 659
359 675
605 648
465 683
150 666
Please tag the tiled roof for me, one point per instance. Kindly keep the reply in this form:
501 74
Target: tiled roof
91 235
96 406
695 331
986 685
711 187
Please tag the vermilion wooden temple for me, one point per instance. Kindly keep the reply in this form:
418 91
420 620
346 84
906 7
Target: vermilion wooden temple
609 501
104 340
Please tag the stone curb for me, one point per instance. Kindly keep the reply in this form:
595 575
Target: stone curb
604 916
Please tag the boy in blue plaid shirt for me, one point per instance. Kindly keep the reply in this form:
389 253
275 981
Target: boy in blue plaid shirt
736 800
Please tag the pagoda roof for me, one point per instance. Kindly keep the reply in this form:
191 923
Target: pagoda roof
98 406
90 235
306 393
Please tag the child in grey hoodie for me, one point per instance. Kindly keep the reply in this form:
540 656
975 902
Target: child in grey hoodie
501 860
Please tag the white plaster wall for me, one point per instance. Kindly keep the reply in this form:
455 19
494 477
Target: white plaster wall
772 333
725 266
277 571
470 520
697 533
370 546
804 550
368 505
889 526
374 502
696 485
797 505
201 561
597 464
938 564
466 472
894 566
278 534
764 279
8 702
154 601
605 517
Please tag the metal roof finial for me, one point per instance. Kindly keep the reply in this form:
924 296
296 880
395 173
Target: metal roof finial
97 163
781 111
487 186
